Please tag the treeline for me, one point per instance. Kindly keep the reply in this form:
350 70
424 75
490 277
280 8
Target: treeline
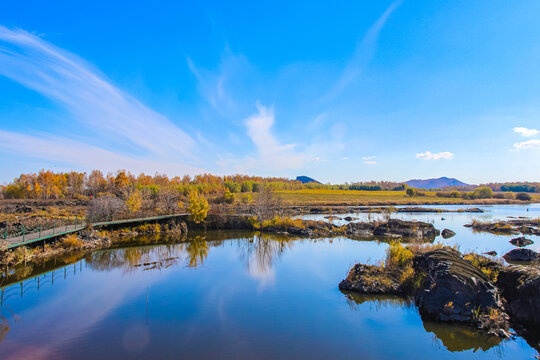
50 185
528 187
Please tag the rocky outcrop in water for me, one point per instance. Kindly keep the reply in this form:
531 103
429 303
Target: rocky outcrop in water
451 289
447 233
369 279
523 255
510 227
520 286
393 228
456 290
521 241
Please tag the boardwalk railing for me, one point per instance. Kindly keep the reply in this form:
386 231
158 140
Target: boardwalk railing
44 235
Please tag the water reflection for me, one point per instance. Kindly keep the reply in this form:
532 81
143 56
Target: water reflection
454 337
196 251
218 308
260 253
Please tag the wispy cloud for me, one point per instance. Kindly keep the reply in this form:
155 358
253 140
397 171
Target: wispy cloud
363 53
216 85
435 156
526 132
529 144
271 152
77 153
101 109
369 160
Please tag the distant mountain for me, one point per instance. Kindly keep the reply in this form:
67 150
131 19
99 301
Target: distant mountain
306 179
435 183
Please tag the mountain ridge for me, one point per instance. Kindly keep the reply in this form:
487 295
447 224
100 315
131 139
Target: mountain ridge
306 179
436 183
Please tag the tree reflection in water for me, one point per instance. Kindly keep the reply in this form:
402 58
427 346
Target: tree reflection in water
260 252
196 251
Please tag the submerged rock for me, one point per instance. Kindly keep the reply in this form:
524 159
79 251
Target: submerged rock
447 233
521 241
525 255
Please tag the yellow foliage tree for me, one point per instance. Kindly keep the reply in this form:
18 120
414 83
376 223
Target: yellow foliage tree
134 202
198 207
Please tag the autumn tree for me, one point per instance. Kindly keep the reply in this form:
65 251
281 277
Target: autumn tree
96 182
198 207
134 201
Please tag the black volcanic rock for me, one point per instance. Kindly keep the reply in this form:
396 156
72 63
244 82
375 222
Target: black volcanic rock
521 255
447 233
521 241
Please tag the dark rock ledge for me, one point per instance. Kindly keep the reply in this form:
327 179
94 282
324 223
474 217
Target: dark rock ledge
450 287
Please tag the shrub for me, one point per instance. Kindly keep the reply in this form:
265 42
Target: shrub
523 196
246 199
482 193
507 195
72 241
411 192
397 255
232 186
247 186
228 197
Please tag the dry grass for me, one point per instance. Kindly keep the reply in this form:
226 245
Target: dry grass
398 256
283 223
362 197
72 241
483 263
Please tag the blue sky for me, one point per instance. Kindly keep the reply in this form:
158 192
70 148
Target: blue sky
355 91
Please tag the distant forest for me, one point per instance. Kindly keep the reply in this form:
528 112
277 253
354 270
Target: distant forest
57 185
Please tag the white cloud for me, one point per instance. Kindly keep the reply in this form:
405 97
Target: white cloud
435 156
271 153
101 110
368 157
526 132
529 144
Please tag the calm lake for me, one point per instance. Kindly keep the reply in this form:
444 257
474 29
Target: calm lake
228 295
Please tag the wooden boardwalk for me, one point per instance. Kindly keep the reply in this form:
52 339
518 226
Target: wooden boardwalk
50 234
